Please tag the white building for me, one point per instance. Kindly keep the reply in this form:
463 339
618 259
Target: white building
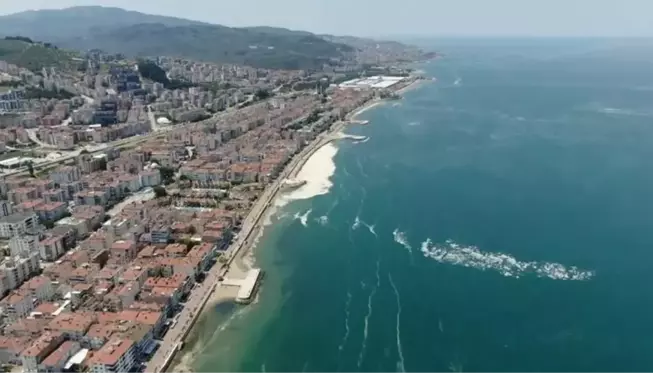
24 244
18 269
19 224
117 355
5 208
66 174
16 305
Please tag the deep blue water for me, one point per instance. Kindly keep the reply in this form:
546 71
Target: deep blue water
522 185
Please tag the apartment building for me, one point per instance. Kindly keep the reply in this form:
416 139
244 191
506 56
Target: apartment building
18 224
33 356
18 269
117 355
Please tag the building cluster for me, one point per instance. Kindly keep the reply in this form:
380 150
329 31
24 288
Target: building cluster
97 268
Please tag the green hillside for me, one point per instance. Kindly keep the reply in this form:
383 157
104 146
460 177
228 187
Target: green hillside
33 56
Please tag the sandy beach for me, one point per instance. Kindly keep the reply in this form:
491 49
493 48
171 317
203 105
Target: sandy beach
315 165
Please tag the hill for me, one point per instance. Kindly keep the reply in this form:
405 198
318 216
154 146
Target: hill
56 25
137 34
33 55
214 43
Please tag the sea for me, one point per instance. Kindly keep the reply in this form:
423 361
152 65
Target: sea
499 218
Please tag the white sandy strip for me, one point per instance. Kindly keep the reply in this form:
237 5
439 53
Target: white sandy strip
317 173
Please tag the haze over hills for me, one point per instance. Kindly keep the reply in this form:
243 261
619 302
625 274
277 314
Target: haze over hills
115 30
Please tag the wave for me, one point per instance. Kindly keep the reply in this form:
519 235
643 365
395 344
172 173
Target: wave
414 124
371 228
400 238
369 314
400 350
624 112
346 336
457 82
322 220
362 141
357 223
472 257
303 218
317 173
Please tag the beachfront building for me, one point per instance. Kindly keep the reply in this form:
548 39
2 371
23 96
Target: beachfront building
118 355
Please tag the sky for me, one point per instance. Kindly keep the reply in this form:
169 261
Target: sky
400 17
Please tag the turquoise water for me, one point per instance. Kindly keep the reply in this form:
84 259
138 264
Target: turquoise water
499 219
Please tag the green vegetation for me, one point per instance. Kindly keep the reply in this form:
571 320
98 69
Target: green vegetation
33 56
160 191
135 34
33 92
261 94
152 71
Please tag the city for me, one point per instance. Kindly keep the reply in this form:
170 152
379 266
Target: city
126 199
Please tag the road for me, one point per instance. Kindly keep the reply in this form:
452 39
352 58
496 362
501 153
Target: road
201 294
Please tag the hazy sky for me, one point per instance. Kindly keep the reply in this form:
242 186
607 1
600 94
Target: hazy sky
401 17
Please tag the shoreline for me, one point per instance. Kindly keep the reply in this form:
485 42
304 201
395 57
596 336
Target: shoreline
252 230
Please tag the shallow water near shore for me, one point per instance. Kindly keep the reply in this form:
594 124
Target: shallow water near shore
497 220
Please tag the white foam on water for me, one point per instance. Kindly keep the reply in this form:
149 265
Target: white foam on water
357 223
317 173
360 167
457 82
369 314
322 220
471 257
400 350
362 141
303 218
400 238
346 336
371 228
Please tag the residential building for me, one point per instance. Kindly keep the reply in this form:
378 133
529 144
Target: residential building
24 244
5 208
117 355
33 356
56 361
18 269
18 224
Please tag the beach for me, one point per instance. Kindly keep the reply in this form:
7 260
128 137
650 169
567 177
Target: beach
314 164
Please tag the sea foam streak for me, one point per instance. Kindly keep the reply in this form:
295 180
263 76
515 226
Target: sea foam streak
472 257
346 336
400 349
371 228
317 173
303 218
357 223
400 238
369 314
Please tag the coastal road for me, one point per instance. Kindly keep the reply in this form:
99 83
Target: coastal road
252 223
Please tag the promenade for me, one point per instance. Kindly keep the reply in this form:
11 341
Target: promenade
203 292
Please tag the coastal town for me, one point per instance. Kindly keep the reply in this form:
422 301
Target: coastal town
131 191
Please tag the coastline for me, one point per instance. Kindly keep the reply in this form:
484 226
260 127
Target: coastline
241 253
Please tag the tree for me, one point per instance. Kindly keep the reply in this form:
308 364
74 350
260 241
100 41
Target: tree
159 191
30 168
261 94
167 174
